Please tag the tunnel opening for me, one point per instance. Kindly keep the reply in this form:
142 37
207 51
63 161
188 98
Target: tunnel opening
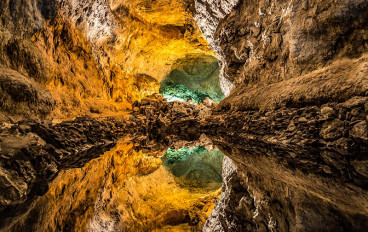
193 78
197 169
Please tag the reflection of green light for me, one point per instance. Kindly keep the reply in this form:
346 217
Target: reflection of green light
173 98
179 92
176 156
195 167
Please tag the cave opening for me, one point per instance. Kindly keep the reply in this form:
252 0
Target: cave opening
193 78
197 169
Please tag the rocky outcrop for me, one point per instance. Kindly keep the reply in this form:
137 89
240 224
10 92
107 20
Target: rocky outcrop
295 122
96 57
32 154
292 157
164 121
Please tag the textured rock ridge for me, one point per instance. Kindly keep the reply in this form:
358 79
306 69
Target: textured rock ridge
208 15
95 57
33 153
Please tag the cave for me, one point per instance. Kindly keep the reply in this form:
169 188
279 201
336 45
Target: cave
183 115
195 167
193 78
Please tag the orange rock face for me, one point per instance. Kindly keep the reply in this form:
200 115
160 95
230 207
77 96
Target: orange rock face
96 57
122 190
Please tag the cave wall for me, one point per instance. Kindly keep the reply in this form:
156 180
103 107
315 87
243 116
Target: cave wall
262 43
295 73
306 57
92 57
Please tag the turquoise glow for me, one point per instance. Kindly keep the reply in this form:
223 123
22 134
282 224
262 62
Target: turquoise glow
179 92
195 167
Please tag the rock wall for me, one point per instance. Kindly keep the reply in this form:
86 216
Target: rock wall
264 42
293 64
208 15
94 57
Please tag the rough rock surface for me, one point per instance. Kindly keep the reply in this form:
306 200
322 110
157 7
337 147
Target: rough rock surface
32 154
290 162
164 121
95 56
263 42
295 122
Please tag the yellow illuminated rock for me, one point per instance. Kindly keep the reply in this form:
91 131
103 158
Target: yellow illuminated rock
97 57
123 190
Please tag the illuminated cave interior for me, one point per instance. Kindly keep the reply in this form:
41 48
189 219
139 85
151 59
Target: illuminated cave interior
109 120
195 167
193 78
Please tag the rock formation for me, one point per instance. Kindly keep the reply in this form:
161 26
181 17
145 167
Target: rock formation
300 84
83 126
92 57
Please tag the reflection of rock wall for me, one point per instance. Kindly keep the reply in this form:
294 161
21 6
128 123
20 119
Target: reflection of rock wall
255 201
122 190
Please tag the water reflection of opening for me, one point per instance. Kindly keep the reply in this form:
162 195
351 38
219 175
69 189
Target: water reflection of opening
195 167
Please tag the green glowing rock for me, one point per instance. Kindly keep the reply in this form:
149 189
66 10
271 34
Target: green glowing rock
193 78
179 91
195 168
176 156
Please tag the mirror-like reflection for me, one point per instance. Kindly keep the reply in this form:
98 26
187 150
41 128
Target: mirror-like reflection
145 185
127 189
195 167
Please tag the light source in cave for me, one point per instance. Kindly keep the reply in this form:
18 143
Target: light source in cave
193 78
195 167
